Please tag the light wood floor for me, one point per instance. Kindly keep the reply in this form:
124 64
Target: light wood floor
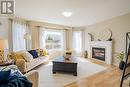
107 78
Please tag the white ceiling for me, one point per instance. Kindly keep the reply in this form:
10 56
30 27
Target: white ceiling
85 12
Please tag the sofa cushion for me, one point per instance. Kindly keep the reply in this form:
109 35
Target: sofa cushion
33 53
35 62
27 56
16 56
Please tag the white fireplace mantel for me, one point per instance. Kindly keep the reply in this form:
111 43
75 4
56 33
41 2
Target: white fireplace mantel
102 44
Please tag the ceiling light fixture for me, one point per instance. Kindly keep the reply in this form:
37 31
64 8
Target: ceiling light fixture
67 14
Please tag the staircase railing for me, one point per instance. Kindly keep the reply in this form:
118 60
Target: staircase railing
127 53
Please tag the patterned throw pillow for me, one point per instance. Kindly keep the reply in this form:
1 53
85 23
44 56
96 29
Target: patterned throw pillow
27 56
16 56
19 56
38 52
12 55
42 52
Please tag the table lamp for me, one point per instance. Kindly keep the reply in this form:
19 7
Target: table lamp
3 49
27 37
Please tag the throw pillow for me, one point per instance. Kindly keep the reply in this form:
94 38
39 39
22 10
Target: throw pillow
16 55
44 53
27 56
19 56
38 52
4 76
33 53
13 55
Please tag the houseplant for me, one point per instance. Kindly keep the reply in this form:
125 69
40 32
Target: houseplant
120 56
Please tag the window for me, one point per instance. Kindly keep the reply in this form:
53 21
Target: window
54 39
77 42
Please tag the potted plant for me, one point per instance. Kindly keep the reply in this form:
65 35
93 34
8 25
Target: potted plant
120 56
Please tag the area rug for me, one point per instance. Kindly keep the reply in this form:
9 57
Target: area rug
48 79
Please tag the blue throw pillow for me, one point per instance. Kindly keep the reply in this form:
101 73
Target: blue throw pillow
4 76
33 53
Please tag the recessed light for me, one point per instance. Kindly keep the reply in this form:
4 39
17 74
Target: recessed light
67 14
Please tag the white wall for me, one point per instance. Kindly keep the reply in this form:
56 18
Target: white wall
4 28
119 26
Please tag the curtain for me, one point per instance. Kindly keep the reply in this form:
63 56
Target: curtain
35 37
18 32
42 38
77 43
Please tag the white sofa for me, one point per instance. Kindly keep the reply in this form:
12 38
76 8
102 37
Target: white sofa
35 62
25 66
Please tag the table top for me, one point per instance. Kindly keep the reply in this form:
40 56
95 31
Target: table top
6 63
62 59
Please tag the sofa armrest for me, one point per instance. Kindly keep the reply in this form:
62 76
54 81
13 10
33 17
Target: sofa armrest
33 76
21 64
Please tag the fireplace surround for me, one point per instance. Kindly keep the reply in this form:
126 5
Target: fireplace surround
107 45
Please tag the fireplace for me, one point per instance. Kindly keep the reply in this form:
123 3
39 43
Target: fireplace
105 46
98 53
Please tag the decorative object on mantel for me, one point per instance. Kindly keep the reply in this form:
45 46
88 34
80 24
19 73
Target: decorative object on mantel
120 56
110 38
91 36
105 35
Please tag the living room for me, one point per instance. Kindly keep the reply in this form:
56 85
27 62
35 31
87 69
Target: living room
66 43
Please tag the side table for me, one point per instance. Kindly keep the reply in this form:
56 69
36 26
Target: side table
6 63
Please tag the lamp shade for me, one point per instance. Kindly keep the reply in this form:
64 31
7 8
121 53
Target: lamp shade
27 36
3 44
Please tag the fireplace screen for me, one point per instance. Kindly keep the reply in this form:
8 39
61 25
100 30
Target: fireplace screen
98 53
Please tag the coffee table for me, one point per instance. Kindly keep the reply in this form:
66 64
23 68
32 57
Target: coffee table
62 65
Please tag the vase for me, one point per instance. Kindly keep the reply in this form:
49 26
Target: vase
121 65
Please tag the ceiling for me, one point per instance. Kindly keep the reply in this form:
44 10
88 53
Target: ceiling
85 12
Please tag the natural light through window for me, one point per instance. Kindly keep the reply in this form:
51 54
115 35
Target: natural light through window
54 40
77 41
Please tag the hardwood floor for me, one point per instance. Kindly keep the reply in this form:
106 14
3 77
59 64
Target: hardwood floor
107 78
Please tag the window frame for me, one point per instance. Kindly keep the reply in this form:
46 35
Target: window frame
62 43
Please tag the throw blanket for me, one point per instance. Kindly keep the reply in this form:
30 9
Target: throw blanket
17 81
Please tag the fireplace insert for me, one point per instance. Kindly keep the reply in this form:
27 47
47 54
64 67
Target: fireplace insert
98 53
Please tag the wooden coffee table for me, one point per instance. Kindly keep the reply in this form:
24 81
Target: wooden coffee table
62 65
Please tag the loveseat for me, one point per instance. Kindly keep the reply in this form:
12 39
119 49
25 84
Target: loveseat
25 64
